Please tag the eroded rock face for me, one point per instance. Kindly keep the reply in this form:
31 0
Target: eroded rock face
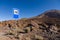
42 27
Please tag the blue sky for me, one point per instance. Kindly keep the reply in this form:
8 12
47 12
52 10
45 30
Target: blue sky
27 8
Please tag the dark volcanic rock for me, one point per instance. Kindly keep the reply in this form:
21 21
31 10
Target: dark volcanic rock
42 27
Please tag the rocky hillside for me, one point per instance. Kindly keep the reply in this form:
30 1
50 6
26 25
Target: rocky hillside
42 27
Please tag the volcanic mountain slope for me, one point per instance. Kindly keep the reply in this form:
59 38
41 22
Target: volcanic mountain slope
42 27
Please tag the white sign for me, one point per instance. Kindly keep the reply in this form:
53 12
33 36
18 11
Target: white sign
16 11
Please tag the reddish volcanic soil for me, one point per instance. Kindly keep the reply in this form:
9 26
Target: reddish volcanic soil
42 27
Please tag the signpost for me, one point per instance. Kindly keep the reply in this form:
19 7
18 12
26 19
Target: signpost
16 13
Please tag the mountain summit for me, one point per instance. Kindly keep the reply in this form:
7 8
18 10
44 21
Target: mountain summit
51 14
42 27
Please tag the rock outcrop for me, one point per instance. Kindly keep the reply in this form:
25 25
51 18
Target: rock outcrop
42 27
